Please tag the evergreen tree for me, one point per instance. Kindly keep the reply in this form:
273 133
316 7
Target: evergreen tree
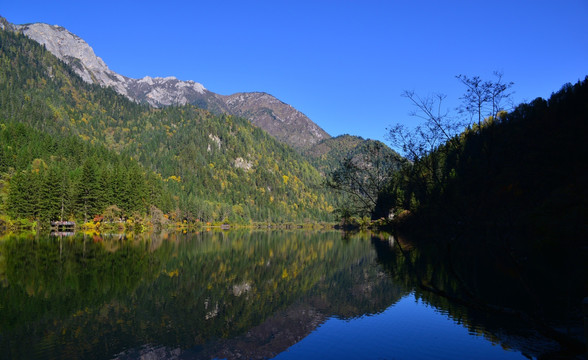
50 195
88 189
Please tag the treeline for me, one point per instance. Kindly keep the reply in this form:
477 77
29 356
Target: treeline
518 173
212 168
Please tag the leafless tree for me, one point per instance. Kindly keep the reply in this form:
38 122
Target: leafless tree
438 127
484 99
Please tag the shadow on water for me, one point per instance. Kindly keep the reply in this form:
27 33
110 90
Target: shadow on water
532 304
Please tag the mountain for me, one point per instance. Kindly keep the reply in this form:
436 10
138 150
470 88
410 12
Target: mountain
213 167
521 177
280 120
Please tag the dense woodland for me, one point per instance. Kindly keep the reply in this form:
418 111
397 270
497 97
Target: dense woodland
82 149
328 154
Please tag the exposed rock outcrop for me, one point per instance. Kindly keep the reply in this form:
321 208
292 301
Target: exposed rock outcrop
75 52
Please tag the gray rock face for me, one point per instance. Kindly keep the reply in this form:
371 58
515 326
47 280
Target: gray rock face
281 120
163 91
75 52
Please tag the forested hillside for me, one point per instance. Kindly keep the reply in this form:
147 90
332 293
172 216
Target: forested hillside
521 174
193 164
328 154
356 169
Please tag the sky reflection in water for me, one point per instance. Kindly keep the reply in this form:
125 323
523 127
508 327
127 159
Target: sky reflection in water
409 329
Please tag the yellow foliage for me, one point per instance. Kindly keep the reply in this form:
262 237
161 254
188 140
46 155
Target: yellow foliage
38 164
174 178
172 273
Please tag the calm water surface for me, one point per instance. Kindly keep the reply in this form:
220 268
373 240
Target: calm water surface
284 295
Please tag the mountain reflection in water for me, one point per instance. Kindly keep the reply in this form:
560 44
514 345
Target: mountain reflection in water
231 295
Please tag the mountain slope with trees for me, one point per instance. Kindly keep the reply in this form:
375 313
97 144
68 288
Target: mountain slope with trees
328 154
216 167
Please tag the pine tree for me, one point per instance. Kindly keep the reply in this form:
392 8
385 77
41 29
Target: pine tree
50 194
88 189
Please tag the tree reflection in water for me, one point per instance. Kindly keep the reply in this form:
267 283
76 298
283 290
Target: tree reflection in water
531 305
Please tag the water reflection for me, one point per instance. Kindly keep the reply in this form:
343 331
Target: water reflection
531 306
102 295
237 294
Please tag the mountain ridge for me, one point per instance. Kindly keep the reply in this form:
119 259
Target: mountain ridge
279 119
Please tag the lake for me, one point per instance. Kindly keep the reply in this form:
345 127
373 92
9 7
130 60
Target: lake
257 295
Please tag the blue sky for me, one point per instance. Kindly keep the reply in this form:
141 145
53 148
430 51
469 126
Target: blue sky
342 63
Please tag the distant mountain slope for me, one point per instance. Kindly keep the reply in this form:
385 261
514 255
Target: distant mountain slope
328 155
277 118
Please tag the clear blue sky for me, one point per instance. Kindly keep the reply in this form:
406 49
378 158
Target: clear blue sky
342 63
